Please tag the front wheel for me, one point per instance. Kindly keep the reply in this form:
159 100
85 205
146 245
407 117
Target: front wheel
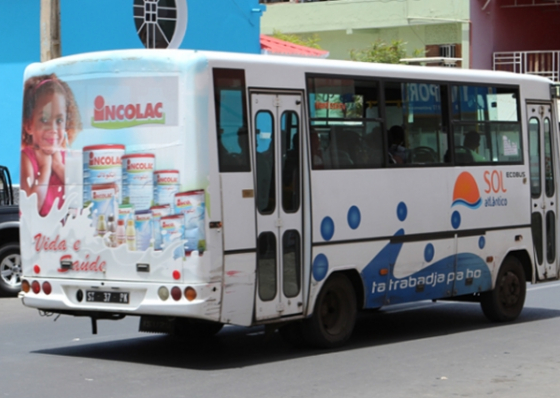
10 269
505 302
334 314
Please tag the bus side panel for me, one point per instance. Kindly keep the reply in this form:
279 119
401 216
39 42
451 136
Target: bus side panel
239 289
238 211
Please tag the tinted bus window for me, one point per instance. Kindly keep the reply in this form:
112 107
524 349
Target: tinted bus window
231 120
486 125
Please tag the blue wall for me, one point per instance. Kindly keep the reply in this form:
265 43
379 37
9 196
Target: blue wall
96 25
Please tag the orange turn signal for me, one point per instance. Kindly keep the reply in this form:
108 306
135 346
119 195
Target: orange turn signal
190 293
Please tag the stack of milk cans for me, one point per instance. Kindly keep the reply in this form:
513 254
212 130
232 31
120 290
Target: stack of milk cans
134 204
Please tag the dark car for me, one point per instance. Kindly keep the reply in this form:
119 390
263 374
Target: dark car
10 258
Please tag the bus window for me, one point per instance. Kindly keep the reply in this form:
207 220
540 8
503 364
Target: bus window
486 125
416 132
345 124
291 267
266 265
231 120
290 162
266 187
548 165
534 157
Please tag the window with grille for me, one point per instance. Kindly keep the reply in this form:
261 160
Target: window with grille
160 23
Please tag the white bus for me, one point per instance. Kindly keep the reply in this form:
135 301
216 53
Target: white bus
196 189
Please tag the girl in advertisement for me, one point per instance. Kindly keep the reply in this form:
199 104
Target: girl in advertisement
51 121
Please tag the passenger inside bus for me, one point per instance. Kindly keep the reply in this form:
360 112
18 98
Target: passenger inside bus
397 150
316 151
230 160
472 142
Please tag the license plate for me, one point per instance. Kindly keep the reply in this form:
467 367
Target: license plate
107 297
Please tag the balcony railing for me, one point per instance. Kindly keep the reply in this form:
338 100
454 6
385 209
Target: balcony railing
541 63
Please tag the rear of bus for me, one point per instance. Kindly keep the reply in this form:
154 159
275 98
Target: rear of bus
119 226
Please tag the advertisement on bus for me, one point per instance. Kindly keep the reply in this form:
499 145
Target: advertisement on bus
109 175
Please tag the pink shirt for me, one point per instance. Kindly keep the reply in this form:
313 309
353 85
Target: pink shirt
56 186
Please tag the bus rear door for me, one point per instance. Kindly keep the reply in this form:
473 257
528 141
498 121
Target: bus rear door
543 189
276 133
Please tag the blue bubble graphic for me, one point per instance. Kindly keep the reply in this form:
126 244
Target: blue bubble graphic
402 211
320 267
481 242
354 217
456 220
327 228
429 252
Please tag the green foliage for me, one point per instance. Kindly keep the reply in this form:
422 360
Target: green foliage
382 52
310 41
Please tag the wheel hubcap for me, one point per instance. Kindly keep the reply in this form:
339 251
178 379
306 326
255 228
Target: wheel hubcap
10 270
330 313
510 289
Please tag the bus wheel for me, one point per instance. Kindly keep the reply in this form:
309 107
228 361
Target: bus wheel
334 314
505 302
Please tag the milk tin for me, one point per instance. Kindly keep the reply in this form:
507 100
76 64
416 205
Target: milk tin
104 205
138 179
157 213
172 228
166 185
102 164
191 205
143 228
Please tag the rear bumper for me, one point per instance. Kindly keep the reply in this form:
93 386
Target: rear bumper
143 299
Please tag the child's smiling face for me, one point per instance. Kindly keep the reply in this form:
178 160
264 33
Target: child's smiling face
48 123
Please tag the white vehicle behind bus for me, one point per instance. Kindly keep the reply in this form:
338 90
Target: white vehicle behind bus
196 189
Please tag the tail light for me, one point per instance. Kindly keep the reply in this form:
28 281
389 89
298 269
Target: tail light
190 293
36 287
176 293
163 293
47 288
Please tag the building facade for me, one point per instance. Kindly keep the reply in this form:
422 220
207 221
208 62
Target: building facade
97 25
439 28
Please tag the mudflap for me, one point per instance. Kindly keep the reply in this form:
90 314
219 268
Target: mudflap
157 324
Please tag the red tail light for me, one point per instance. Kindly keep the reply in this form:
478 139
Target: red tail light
35 287
176 293
47 288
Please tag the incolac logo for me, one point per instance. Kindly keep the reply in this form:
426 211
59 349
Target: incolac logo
103 194
165 180
183 202
169 224
120 116
104 161
132 167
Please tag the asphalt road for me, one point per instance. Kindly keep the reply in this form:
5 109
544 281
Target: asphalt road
425 349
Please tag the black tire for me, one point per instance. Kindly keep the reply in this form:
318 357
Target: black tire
196 329
334 315
10 270
505 302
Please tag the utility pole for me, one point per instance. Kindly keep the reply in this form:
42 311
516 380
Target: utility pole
50 30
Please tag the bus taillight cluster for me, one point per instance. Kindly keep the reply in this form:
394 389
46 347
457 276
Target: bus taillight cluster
36 287
177 293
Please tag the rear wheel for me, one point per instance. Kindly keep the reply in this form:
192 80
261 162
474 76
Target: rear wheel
506 301
334 315
10 269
